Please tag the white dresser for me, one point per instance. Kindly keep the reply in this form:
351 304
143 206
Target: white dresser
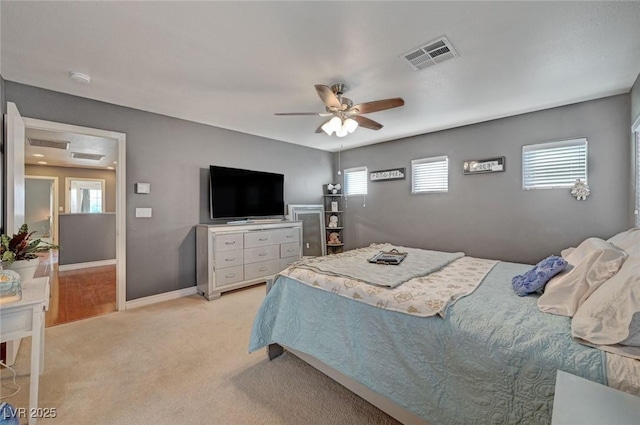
231 256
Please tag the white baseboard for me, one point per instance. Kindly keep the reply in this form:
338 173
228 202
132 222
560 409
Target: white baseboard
161 297
86 265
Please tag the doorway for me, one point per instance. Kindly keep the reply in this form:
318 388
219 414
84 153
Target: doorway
88 273
41 207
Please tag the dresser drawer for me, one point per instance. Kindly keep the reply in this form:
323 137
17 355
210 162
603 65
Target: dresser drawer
290 249
286 262
226 259
229 275
263 238
263 253
229 242
263 268
289 235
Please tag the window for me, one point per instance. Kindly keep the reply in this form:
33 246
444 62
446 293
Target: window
85 195
430 175
554 165
355 181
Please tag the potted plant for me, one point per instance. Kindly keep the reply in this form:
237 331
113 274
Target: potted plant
20 252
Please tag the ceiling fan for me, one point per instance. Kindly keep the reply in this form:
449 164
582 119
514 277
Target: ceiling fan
345 117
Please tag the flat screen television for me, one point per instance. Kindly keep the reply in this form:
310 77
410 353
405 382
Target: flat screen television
239 194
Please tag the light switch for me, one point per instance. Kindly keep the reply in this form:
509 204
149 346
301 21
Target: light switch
143 187
143 212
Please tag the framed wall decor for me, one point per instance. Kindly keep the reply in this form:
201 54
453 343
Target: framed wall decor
481 166
392 174
312 217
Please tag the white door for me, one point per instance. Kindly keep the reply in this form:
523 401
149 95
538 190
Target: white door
14 154
14 157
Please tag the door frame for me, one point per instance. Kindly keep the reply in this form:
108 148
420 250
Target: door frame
56 202
67 194
121 194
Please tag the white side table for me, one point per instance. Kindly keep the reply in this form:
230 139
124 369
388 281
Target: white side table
26 318
584 402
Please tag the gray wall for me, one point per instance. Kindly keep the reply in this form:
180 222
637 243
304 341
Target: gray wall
490 215
37 206
61 173
171 154
87 237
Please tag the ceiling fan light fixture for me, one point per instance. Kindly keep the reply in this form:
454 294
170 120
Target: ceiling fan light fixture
334 124
350 125
342 131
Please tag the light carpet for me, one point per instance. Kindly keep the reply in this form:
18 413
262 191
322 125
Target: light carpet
179 362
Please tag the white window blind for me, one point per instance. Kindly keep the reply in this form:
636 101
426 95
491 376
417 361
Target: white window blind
430 175
355 181
554 165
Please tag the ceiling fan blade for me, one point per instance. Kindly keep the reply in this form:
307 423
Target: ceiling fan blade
299 113
377 105
328 97
367 123
319 129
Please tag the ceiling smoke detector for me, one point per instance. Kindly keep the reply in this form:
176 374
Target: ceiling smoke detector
80 77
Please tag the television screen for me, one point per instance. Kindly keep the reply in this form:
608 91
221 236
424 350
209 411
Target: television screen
236 193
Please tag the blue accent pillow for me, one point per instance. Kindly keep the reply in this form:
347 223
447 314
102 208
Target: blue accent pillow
535 279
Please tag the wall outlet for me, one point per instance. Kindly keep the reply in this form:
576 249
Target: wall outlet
143 212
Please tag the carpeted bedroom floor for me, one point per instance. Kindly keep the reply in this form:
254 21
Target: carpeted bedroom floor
180 362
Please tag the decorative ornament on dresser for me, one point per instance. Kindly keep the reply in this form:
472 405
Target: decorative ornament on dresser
334 188
20 252
580 190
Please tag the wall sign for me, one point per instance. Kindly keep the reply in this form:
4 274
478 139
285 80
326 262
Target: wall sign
393 174
479 166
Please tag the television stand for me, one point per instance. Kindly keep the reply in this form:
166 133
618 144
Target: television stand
256 221
232 256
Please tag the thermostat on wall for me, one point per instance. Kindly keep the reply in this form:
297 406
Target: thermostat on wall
143 187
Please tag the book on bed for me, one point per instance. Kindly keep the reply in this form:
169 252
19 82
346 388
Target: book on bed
393 257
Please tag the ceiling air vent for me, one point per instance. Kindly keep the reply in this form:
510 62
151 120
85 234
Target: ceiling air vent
91 156
431 53
54 144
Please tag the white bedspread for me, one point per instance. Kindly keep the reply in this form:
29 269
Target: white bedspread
421 296
354 264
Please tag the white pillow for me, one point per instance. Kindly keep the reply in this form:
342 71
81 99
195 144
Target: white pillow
590 265
628 240
607 316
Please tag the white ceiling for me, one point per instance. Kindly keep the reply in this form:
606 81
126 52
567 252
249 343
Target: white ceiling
233 64
81 143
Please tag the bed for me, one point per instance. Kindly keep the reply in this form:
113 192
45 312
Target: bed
485 356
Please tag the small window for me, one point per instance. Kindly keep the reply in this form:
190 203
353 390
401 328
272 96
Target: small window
85 195
355 181
430 175
554 165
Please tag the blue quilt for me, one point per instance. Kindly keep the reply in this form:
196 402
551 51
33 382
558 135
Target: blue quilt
491 360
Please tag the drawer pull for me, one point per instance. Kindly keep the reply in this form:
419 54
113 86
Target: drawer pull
230 243
230 259
263 239
263 254
262 269
230 275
